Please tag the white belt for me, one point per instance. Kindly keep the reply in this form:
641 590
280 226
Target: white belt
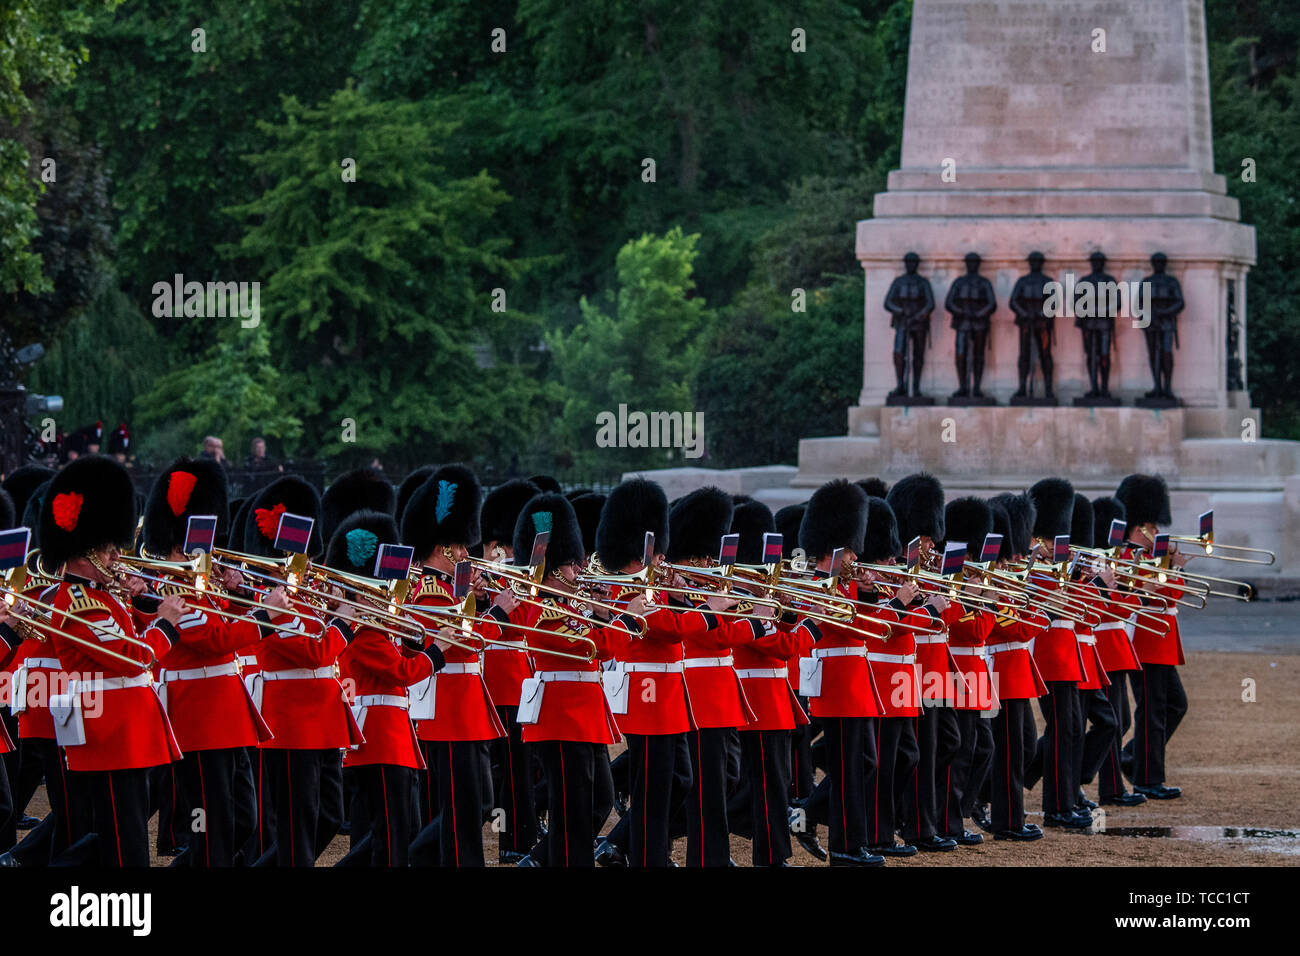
198 673
1009 646
932 639
113 683
892 658
382 700
471 667
708 662
1108 626
672 667
1172 610
969 651
757 672
1087 638
299 673
839 652
576 677
50 663
1068 625
248 660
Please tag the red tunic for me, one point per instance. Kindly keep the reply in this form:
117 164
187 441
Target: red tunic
847 686
505 669
1015 675
463 708
125 727
209 712
762 664
717 698
966 638
1094 675
657 699
1056 651
37 674
894 664
372 666
1154 648
573 706
304 713
1114 644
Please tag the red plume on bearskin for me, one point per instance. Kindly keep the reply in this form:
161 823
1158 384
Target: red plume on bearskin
90 504
67 509
179 486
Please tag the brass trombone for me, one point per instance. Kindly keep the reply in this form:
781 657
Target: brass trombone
1212 549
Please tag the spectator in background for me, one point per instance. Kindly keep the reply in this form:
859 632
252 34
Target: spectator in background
214 451
258 460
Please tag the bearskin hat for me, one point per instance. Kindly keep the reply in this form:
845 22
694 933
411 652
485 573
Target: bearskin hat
697 522
443 510
1054 499
501 509
1081 522
917 501
874 487
587 508
31 517
1002 526
1023 513
22 482
968 520
547 483
579 492
1145 499
1105 510
188 486
550 511
7 517
751 520
788 520
356 541
836 518
407 488
633 508
881 541
238 515
289 493
362 489
89 504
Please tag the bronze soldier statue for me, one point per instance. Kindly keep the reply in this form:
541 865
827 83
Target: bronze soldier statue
1164 302
1036 326
970 302
910 301
1098 325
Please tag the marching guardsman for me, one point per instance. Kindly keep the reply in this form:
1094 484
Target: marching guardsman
111 724
838 683
1097 725
298 690
211 711
1016 677
968 520
1056 652
1118 658
762 664
564 712
696 524
895 670
1159 701
647 690
917 501
441 523
377 667
802 771
505 669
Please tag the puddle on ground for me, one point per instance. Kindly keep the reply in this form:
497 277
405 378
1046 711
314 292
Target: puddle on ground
1260 838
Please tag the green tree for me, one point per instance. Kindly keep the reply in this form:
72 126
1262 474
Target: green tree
376 292
639 350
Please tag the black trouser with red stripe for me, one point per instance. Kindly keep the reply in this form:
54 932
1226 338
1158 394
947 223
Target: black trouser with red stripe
802 771
1159 703
1007 776
570 768
850 751
1058 748
707 834
514 784
387 791
119 802
70 808
765 766
652 760
457 765
1110 778
957 798
293 779
938 739
896 759
1098 729
167 797
208 778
